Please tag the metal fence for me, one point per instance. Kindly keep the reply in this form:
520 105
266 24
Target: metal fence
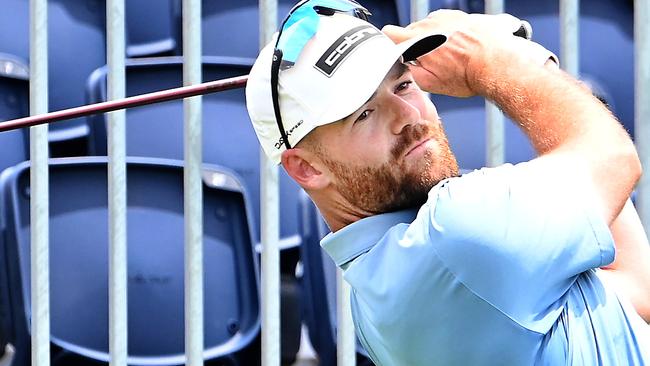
269 186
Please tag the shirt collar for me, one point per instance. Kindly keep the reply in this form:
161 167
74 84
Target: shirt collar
358 237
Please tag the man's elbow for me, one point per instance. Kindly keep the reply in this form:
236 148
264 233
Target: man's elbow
628 161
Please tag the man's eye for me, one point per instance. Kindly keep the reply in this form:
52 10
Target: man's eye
403 86
365 114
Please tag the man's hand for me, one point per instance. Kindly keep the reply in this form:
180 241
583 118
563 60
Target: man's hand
568 127
474 40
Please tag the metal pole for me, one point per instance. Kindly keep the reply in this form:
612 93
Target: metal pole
642 105
495 122
118 314
419 9
569 40
193 192
39 175
346 341
270 226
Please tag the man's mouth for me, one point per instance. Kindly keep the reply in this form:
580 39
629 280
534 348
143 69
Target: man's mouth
418 145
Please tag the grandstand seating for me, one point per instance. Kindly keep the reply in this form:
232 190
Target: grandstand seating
229 28
151 29
14 103
228 140
76 46
228 136
319 287
79 263
14 95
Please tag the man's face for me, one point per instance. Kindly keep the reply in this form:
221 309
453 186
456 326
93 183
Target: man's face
389 153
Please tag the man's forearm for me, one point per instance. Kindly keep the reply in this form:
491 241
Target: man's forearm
559 114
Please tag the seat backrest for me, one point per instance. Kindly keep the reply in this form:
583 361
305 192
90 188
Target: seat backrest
229 28
14 103
79 261
228 136
76 46
319 286
151 27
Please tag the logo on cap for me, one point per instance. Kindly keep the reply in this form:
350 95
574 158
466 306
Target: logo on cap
342 47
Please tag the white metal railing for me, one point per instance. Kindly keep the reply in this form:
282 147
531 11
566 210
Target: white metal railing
569 40
269 192
193 186
116 134
642 104
495 144
270 224
39 182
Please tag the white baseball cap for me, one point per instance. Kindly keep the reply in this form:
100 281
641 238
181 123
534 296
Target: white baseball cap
337 71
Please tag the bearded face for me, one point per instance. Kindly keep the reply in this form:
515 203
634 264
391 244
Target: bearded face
397 183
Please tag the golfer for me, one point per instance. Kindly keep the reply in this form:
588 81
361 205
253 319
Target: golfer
540 263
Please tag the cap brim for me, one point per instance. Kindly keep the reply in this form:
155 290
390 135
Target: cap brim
417 47
371 76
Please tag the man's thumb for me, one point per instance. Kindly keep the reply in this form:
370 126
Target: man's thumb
397 34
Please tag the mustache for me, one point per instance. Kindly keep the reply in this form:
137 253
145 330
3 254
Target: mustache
410 134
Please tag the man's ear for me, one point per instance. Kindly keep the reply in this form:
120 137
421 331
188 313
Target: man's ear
305 168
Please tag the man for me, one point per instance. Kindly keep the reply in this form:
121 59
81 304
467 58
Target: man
496 267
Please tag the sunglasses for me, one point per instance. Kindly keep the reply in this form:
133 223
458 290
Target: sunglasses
296 30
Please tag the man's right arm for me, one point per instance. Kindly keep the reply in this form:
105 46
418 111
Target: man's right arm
571 130
566 124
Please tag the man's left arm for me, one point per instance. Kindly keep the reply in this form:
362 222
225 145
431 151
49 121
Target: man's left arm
630 271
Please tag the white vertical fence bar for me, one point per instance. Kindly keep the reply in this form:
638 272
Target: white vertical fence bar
39 175
642 104
117 269
346 341
419 9
569 40
193 191
270 225
495 122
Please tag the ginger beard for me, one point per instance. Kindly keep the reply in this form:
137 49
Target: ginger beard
393 185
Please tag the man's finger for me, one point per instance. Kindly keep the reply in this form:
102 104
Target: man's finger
397 34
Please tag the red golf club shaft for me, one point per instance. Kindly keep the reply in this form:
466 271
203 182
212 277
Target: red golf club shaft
134 101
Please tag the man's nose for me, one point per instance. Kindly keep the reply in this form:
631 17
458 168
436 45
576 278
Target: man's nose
403 113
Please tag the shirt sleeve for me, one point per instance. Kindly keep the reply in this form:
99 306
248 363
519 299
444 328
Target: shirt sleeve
517 238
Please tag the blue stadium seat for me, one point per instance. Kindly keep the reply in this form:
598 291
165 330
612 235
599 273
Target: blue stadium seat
228 136
14 103
229 28
151 28
79 263
76 46
319 287
228 140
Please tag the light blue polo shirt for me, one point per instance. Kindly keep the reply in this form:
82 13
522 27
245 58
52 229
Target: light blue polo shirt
499 267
